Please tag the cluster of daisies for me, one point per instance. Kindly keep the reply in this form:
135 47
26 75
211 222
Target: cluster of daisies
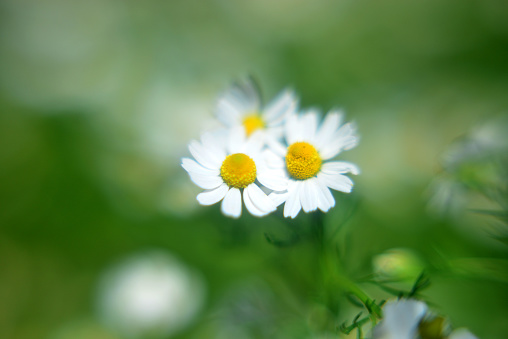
271 155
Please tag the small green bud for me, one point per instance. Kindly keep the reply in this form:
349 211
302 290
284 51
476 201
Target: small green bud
398 263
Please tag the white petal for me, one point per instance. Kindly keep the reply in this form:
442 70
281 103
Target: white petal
309 123
401 319
276 111
293 128
276 132
462 333
344 139
228 113
273 179
232 203
273 160
326 200
204 156
293 206
193 167
248 93
215 142
250 205
242 97
206 182
278 197
309 195
211 197
339 167
328 128
260 199
236 140
337 182
276 147
255 142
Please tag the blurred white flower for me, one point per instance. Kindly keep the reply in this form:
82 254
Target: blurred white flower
226 167
447 196
401 319
151 294
241 105
302 161
410 319
483 141
473 165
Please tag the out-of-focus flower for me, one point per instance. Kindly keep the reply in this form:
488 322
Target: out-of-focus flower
401 319
474 166
398 263
228 168
152 294
302 160
410 319
241 105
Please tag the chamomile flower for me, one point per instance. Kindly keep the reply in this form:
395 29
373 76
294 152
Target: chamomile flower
305 157
241 105
150 295
401 319
411 319
229 168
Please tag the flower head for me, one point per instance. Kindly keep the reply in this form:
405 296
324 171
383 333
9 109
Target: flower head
150 294
401 319
232 167
303 159
240 105
410 319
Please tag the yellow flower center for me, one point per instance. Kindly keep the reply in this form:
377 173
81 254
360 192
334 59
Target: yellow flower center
302 160
238 170
253 122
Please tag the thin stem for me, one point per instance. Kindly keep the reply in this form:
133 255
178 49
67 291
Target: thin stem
338 278
318 227
331 267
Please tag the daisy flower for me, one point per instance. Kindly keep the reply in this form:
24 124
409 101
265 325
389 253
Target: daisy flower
410 319
232 167
151 295
241 105
401 319
304 161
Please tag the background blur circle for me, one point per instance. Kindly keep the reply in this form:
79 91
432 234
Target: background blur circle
150 294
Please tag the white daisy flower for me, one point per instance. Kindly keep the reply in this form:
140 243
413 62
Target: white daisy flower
304 161
401 319
230 167
410 319
241 105
151 295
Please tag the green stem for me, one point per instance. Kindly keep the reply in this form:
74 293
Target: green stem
332 266
318 226
351 287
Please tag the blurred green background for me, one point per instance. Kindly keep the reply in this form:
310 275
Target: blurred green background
98 100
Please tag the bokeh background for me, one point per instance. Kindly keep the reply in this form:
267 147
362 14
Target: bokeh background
99 98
